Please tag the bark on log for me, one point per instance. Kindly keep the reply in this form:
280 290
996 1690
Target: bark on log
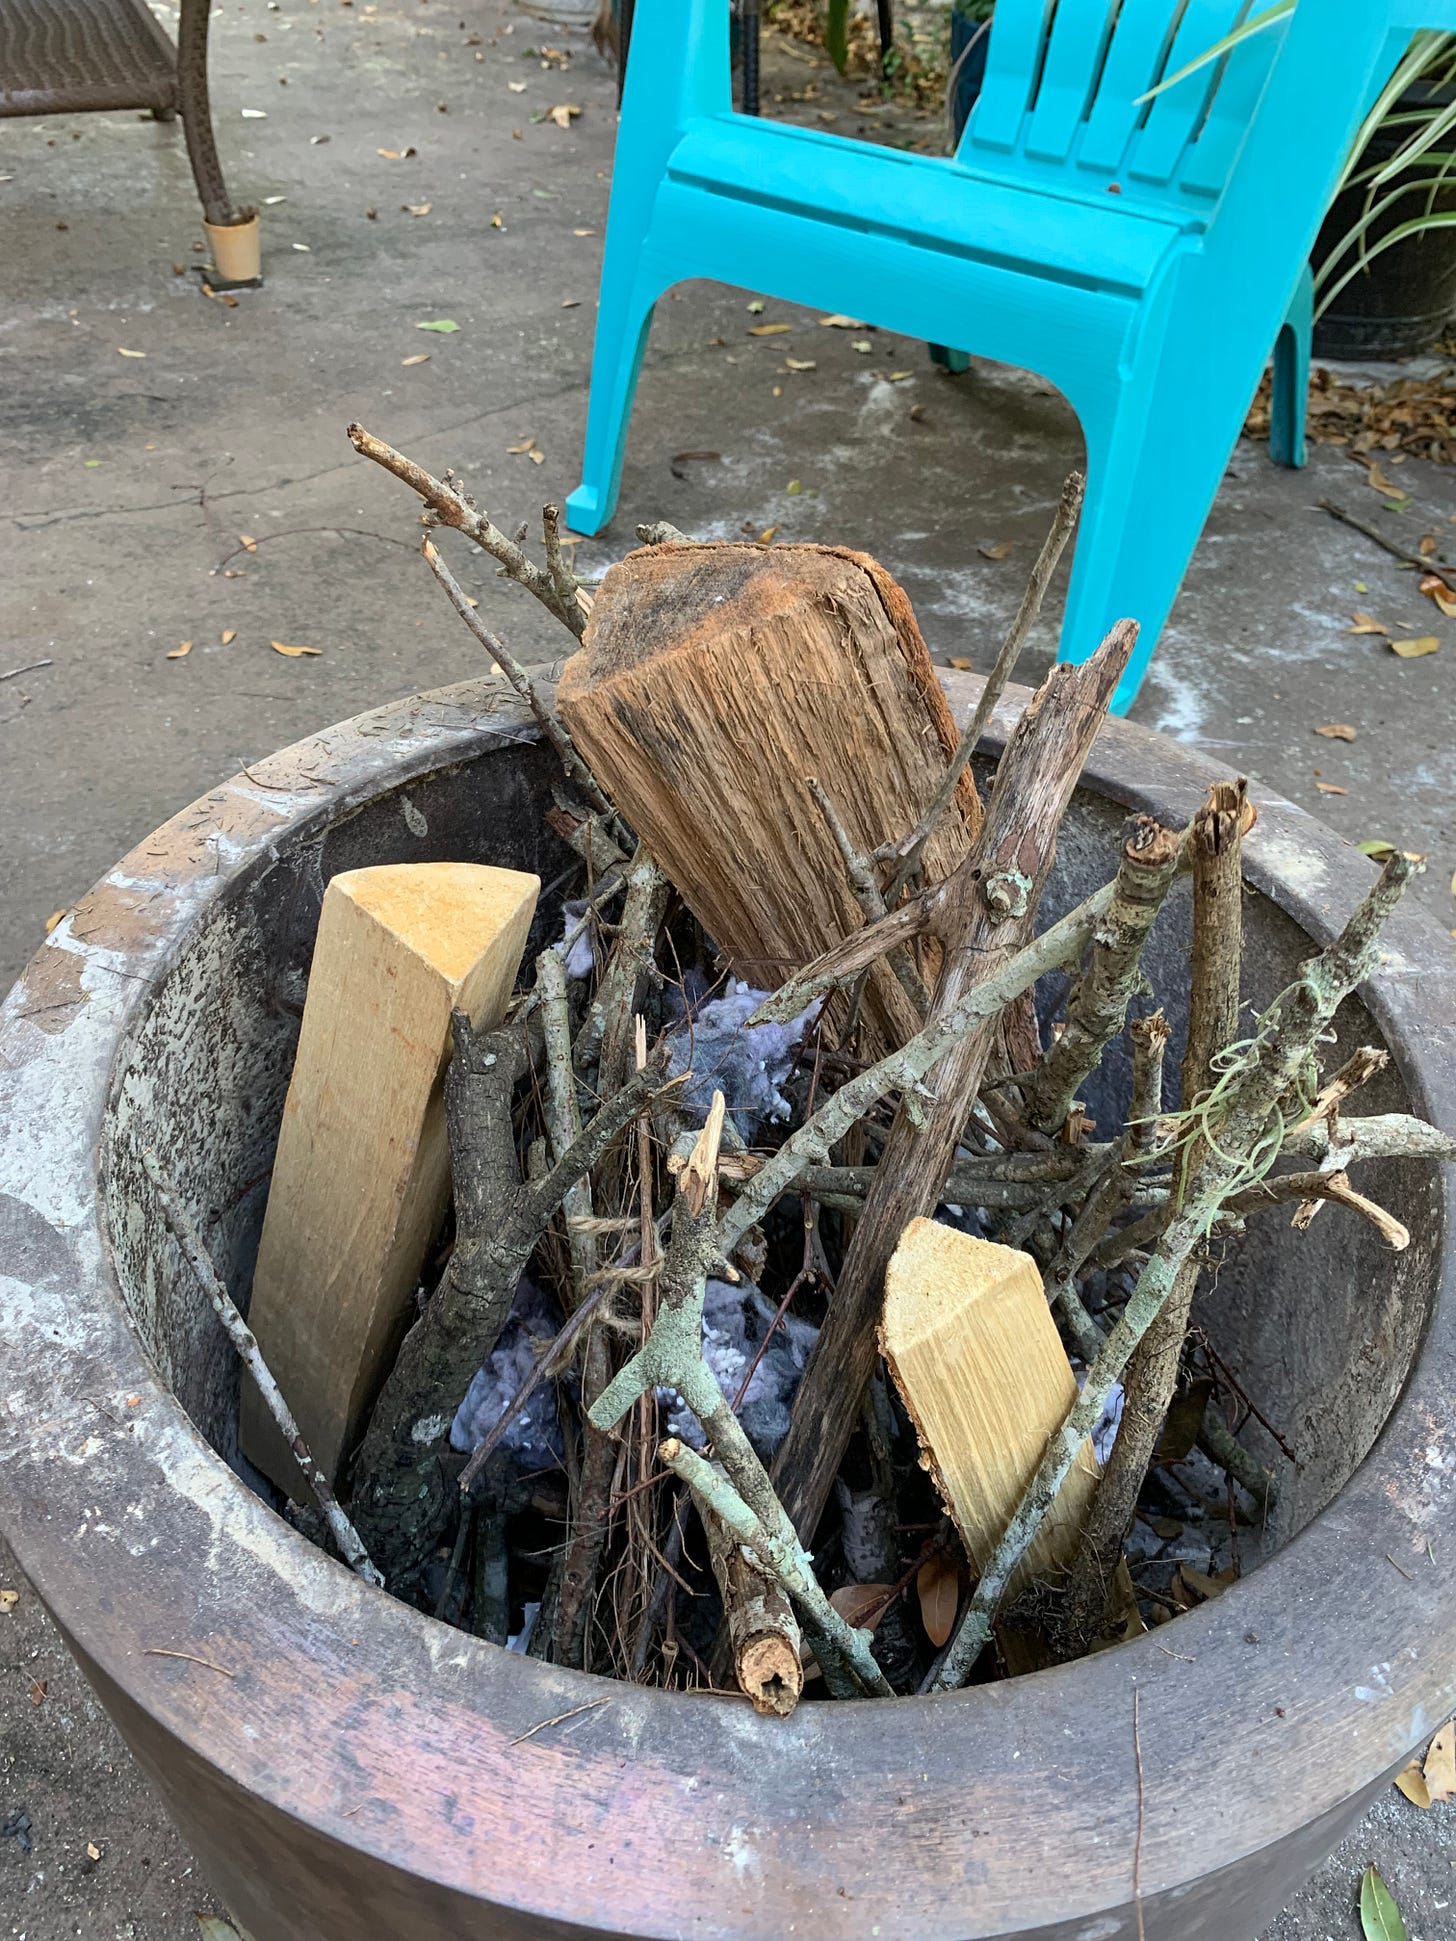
713 684
988 912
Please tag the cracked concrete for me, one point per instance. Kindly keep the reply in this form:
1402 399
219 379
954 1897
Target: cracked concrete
130 480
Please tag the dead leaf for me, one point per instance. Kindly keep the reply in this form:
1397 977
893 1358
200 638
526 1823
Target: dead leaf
1377 849
767 330
93 1852
998 551
9 1600
293 653
1427 545
1338 731
1414 649
229 635
583 232
765 538
180 653
1331 788
37 1691
496 222
129 353
862 345
800 364
1366 623
571 303
1198 1587
1381 483
899 377
938 1586
563 114
247 541
528 448
1435 588
1440 1767
417 208
862 1605
1184 1420
1411 1782
961 663
420 357
840 322
516 87
56 915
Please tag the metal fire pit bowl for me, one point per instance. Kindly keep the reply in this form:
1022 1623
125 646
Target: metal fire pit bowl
344 1767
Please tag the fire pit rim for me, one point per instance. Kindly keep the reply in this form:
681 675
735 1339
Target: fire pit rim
65 1025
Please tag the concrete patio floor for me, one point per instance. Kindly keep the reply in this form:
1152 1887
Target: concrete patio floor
130 482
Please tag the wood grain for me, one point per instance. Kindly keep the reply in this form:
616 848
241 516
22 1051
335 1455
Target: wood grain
714 682
362 1167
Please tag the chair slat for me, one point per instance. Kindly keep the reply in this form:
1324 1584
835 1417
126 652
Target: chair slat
1174 118
1211 157
1136 57
1075 54
1013 62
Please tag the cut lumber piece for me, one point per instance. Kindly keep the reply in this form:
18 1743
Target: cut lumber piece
974 1351
714 683
363 1166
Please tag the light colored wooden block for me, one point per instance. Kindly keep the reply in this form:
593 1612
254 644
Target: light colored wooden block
975 1354
362 1169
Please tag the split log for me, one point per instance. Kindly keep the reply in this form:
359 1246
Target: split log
986 914
713 684
970 1341
362 1169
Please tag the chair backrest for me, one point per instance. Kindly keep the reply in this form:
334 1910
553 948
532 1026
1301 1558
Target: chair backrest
1060 101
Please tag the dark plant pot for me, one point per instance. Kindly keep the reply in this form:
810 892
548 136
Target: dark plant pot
969 40
1402 301
344 1767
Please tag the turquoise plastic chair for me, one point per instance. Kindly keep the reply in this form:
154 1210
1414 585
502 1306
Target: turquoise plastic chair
1142 258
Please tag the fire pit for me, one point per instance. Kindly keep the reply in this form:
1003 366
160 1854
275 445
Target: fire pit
342 1765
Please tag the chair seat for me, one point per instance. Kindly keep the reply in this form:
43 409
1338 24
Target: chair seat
931 201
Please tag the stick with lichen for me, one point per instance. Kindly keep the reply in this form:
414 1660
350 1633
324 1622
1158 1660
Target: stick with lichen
1248 1134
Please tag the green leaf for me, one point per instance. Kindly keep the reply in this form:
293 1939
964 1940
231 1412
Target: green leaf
1379 1915
443 324
836 33
1255 24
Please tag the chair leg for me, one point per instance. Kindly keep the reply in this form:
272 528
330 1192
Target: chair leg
623 320
954 361
1289 400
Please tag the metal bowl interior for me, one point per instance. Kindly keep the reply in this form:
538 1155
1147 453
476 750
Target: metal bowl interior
336 1757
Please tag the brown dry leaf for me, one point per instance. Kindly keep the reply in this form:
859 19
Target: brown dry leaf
1338 731
938 1586
998 551
37 1691
1331 788
526 445
563 113
1427 545
1440 1767
583 232
1411 1782
93 1852
765 538
129 353
1381 483
800 364
1366 623
571 303
1414 649
496 221
247 542
229 635
961 663
840 322
420 357
862 1605
416 208
180 653
9 1600
293 653
1197 1585
767 330
1435 588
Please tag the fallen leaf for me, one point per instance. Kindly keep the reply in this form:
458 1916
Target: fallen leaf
293 653
9 1600
1411 1781
1376 849
800 364
938 1586
765 538
583 232
527 446
918 415
179 653
899 377
229 635
253 114
37 1691
420 357
1197 1585
1427 545
840 322
1379 1915
1361 587
998 551
793 488
91 463
516 87
767 330
862 1605
961 663
220 296
247 542
93 1852
303 247
755 309
1338 731
1366 623
1435 588
1331 788
571 303
129 353
563 113
1440 1767
862 345
417 208
496 222
1381 483
1414 649
444 326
